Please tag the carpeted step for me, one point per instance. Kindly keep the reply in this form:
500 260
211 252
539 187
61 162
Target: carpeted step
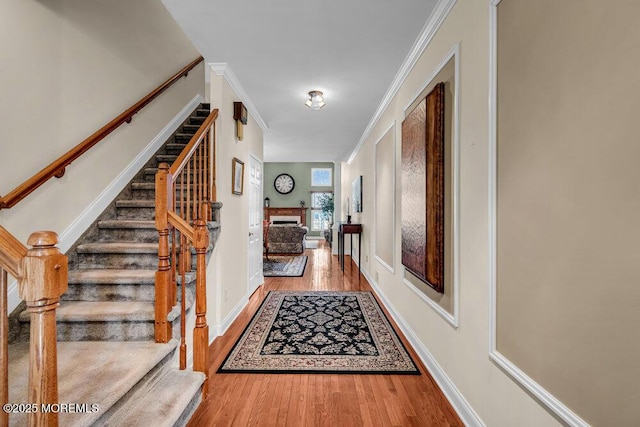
147 190
123 255
166 158
103 373
168 402
203 112
190 128
127 230
150 173
182 137
111 285
197 120
173 148
140 209
103 321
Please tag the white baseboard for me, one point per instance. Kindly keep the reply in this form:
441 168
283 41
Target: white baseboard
73 232
220 328
453 395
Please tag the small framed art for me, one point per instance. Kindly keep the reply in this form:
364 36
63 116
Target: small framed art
237 177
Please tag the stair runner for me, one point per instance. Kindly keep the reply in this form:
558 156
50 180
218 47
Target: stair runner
106 350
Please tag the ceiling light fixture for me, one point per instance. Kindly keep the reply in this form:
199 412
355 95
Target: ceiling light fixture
316 100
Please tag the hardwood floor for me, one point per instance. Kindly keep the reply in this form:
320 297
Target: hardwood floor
318 399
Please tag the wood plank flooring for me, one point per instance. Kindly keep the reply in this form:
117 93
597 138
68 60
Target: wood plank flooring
318 399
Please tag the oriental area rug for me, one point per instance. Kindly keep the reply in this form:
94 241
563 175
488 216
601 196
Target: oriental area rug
284 266
319 332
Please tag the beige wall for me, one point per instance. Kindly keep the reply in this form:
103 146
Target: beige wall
568 202
227 273
385 195
461 353
70 66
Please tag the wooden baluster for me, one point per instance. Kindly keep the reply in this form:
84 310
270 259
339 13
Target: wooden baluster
4 343
43 281
214 190
173 295
196 183
163 275
200 176
201 330
183 305
188 201
207 165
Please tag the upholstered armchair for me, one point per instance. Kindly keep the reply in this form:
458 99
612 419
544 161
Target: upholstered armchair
286 238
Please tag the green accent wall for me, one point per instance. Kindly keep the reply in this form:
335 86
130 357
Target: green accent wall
301 173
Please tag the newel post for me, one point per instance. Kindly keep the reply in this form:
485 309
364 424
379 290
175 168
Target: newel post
201 330
163 274
43 281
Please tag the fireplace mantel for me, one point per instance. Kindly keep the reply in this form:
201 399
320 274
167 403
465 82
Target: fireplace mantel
297 211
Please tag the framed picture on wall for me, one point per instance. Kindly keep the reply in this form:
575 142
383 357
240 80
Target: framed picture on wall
356 192
237 177
423 190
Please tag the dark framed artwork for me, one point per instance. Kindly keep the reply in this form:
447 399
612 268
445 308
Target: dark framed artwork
356 193
423 190
237 177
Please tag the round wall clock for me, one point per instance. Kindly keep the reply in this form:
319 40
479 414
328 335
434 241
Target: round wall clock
284 183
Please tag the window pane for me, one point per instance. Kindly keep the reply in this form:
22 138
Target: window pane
318 196
319 221
321 177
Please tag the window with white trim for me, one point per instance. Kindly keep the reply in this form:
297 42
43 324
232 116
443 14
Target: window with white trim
320 219
321 177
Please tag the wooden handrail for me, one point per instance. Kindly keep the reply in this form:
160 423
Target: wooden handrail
57 168
12 251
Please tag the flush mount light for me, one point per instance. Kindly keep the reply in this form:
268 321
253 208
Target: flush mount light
316 100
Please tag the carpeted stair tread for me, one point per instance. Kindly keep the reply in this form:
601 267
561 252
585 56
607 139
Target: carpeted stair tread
88 372
175 146
112 276
118 248
190 128
183 135
126 223
166 158
150 186
135 203
161 406
102 311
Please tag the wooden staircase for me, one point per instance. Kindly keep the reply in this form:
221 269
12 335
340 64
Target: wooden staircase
105 323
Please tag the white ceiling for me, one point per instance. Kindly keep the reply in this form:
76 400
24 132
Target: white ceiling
279 50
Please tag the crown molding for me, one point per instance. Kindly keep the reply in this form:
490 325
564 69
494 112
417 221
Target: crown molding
432 25
223 69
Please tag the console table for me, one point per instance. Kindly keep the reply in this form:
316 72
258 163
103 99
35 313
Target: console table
349 229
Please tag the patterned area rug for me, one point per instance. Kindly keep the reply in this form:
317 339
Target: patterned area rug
284 266
319 332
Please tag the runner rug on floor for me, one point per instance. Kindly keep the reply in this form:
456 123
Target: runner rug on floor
284 266
319 332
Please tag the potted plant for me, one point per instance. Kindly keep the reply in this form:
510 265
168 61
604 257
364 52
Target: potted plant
325 203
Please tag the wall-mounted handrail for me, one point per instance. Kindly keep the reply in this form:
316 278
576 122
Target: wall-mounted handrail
57 168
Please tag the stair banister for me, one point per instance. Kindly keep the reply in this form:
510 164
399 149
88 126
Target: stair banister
184 193
42 274
57 167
